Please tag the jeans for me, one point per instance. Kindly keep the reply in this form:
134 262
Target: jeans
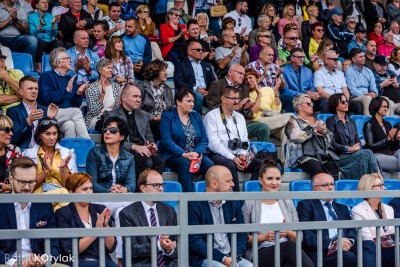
198 102
242 263
21 43
71 122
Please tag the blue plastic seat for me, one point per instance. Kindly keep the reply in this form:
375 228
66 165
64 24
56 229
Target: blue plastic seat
24 62
172 187
360 120
81 147
393 120
46 63
300 185
252 186
347 185
200 186
390 184
270 147
324 117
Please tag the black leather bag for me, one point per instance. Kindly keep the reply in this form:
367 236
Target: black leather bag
318 147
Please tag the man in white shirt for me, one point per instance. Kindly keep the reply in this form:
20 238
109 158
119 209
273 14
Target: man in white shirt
228 139
243 22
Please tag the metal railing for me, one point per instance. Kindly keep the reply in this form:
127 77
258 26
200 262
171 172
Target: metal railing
183 230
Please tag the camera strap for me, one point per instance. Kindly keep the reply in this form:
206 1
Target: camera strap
225 124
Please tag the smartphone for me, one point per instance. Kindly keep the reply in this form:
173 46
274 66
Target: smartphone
392 76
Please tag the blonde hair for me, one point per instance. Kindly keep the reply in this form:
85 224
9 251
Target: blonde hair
3 121
367 181
311 8
202 14
285 9
298 100
262 33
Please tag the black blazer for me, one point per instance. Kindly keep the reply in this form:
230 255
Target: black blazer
68 217
376 138
67 25
340 138
371 15
184 74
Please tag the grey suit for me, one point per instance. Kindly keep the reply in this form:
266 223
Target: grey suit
134 215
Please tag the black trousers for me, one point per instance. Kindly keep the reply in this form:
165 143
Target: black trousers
313 167
46 47
155 162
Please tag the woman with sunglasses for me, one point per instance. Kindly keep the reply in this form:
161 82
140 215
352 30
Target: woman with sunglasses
354 160
273 211
264 38
8 152
373 209
157 96
381 137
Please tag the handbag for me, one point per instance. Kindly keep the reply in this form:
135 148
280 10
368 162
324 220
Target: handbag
218 11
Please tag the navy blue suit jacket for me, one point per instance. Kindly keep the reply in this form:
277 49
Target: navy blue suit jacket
395 203
184 74
200 214
173 135
295 87
22 131
39 212
311 210
68 217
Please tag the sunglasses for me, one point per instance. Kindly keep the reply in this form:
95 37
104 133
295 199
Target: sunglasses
113 130
197 49
7 129
344 101
319 30
266 36
352 22
47 122
333 58
239 22
309 103
292 38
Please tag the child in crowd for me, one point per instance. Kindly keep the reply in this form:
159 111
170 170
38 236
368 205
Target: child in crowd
99 31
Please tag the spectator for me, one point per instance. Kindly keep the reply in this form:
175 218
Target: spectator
7 52
8 152
194 73
287 18
312 12
243 22
15 31
157 96
203 6
122 65
100 29
264 25
147 27
116 24
227 144
69 22
229 23
43 26
393 11
350 23
270 11
298 81
311 44
62 8
28 113
27 6
83 59
140 141
217 212
58 88
151 213
394 203
360 38
373 209
387 47
394 61
376 34
85 215
172 35
93 10
137 47
205 33
338 33
289 41
101 96
127 11
180 4
312 210
160 10
374 11
184 139
354 9
9 78
346 64
273 211
360 80
264 38
394 28
194 35
370 47
325 45
329 80
23 179
381 138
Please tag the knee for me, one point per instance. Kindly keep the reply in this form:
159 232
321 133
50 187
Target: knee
68 126
31 39
76 113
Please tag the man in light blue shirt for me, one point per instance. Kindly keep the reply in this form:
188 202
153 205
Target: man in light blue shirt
360 80
360 38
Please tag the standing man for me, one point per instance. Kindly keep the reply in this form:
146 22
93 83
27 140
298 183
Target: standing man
154 214
243 22
217 212
116 24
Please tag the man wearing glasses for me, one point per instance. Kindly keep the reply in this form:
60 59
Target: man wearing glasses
154 214
24 216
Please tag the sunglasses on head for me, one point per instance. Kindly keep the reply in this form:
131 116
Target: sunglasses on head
47 122
343 101
7 129
113 130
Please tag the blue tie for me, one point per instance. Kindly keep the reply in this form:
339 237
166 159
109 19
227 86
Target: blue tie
153 220
331 212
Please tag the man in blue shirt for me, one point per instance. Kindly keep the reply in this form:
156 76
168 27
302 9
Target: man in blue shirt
360 40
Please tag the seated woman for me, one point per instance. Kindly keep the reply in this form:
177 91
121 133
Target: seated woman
346 141
374 209
157 96
264 39
273 211
8 152
85 215
101 96
123 68
184 139
267 107
381 138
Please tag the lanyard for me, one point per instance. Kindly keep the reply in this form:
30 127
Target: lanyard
225 124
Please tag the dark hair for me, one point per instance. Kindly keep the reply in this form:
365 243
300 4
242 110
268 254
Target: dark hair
354 52
27 78
181 93
142 180
376 104
229 89
251 71
152 70
110 48
333 102
113 4
190 22
22 162
316 24
102 23
122 127
295 50
269 163
131 19
226 21
43 126
77 179
288 27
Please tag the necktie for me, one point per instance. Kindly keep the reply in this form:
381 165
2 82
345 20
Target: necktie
331 212
153 220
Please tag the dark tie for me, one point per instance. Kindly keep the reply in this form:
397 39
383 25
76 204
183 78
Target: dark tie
153 220
331 212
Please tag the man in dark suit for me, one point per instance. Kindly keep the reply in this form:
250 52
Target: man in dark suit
214 212
25 124
151 213
140 141
194 73
327 210
23 216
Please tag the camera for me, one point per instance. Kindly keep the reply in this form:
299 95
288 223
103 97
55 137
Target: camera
237 144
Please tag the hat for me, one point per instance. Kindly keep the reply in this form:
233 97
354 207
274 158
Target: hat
336 11
360 28
381 60
1 55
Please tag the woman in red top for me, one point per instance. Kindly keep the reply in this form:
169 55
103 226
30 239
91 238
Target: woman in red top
376 35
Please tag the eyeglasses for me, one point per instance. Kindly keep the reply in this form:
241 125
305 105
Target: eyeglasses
69 58
157 185
381 186
385 107
176 15
7 129
266 36
309 103
343 101
197 49
299 57
47 122
292 38
232 98
352 22
113 130
238 72
326 185
319 30
333 58
23 183
145 11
